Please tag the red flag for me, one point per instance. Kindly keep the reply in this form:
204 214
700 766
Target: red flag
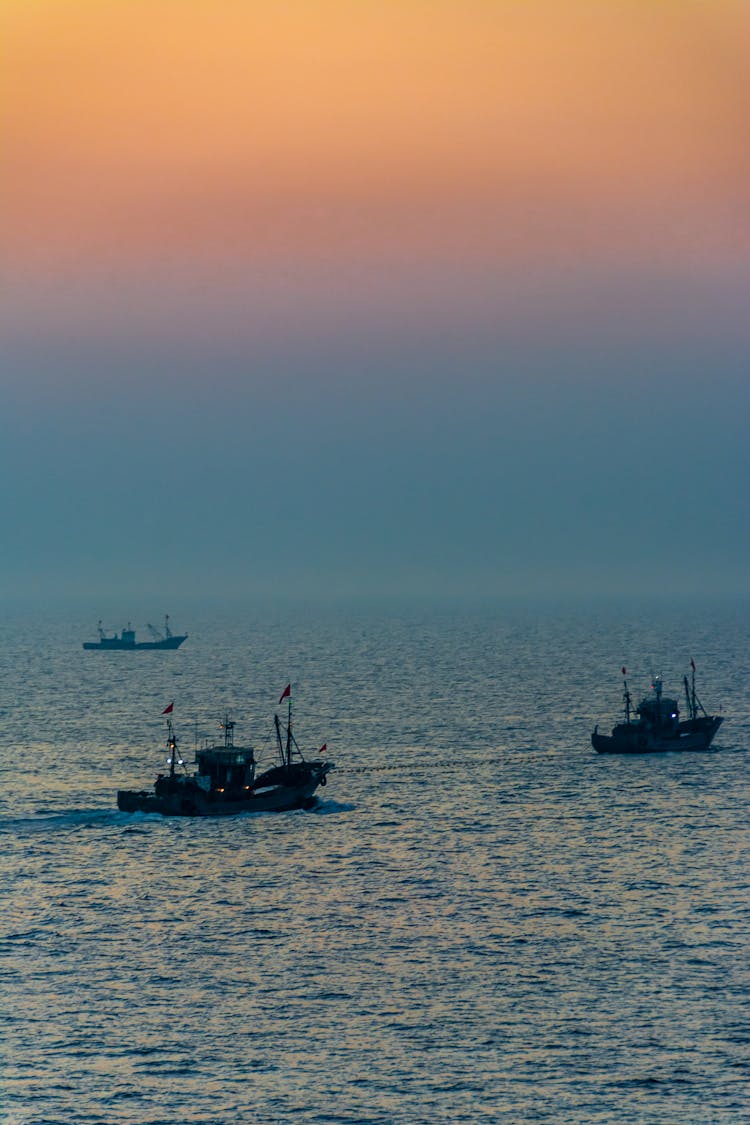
624 671
168 709
692 663
286 693
323 748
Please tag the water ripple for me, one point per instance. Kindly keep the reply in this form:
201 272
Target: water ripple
500 926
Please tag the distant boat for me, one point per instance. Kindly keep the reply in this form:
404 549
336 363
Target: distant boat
125 641
655 724
226 783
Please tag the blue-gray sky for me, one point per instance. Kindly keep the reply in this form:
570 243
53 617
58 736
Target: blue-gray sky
609 466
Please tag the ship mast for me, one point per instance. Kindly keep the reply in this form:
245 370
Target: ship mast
696 704
626 696
171 746
285 753
289 735
228 727
277 724
690 703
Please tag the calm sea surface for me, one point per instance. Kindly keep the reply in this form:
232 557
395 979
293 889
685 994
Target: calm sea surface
481 920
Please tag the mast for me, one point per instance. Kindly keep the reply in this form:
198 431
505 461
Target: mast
277 724
695 701
690 704
171 746
657 685
286 754
289 734
626 696
228 727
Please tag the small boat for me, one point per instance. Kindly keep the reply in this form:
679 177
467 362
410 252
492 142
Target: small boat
226 783
125 641
655 724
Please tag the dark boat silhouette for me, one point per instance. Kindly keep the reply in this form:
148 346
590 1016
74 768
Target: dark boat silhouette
126 641
226 783
655 724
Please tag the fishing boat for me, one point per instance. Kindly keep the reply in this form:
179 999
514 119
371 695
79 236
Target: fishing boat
226 782
655 724
125 640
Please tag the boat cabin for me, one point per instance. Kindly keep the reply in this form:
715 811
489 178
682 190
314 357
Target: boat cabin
659 712
226 767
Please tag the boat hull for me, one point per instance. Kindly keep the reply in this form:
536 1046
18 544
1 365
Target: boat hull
694 734
114 644
191 800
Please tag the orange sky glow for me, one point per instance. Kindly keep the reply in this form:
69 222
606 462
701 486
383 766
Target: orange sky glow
144 134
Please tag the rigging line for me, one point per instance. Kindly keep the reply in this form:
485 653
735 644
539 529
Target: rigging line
417 769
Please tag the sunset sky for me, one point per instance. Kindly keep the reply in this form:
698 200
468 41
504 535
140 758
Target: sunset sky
420 296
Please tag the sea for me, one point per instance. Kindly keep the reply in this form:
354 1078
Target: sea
480 920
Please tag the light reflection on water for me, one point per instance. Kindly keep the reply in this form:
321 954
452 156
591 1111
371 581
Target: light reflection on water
503 927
